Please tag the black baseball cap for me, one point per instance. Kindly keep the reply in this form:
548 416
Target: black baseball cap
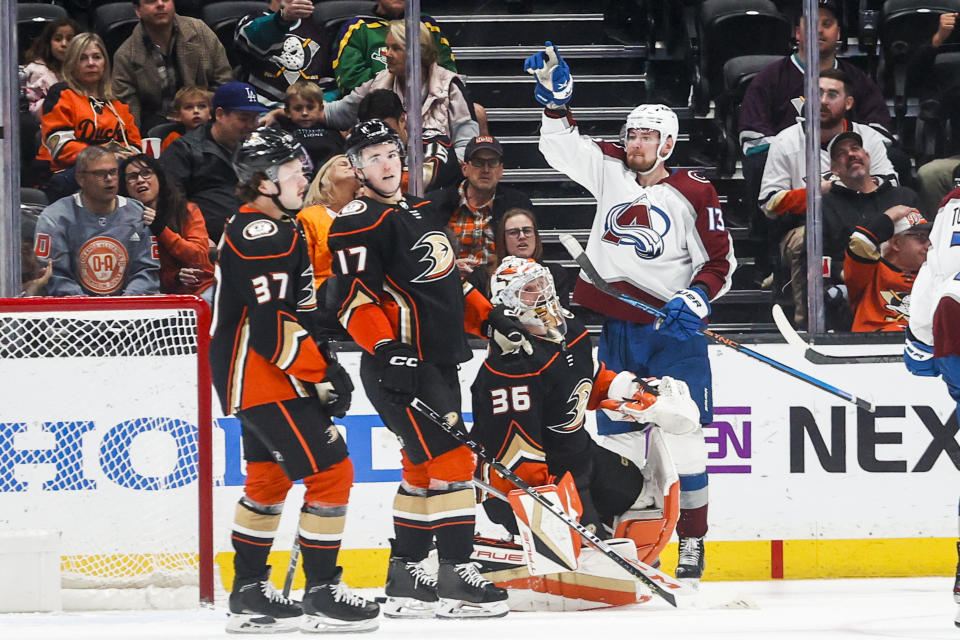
840 137
482 142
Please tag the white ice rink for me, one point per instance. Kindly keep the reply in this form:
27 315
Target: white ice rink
906 608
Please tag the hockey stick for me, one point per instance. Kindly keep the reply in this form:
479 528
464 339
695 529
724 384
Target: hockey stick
816 357
643 572
292 566
576 251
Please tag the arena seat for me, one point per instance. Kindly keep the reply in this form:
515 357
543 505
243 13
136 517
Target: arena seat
222 18
114 23
32 17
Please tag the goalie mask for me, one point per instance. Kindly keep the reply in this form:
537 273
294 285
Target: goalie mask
653 117
526 286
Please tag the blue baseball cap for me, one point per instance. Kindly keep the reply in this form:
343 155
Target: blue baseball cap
237 96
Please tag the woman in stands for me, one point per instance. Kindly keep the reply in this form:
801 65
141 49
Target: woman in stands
178 225
82 111
333 187
45 60
445 107
518 235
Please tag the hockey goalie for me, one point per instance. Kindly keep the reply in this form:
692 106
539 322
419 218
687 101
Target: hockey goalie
529 413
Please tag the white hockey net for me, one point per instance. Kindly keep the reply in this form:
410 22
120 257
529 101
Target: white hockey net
105 437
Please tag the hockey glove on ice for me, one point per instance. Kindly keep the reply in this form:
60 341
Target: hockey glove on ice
684 313
504 328
918 356
336 390
554 82
400 367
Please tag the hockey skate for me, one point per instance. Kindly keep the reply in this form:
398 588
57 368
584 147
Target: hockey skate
464 593
256 607
411 591
330 607
690 564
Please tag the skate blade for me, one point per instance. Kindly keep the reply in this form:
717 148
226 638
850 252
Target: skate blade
408 608
455 609
323 624
258 623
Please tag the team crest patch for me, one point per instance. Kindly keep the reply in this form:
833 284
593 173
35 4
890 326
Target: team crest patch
101 265
353 207
438 256
259 229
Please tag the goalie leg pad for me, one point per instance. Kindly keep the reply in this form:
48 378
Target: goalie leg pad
549 544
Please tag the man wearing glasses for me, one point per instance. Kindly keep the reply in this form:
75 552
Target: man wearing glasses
477 205
96 239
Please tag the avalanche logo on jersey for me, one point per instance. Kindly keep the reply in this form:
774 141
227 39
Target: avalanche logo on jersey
639 224
439 256
578 398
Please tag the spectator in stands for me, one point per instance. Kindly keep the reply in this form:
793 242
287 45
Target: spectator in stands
34 274
853 196
184 246
440 166
199 162
774 98
475 207
302 116
361 48
97 240
192 107
518 235
82 111
333 187
444 107
772 102
280 47
45 59
883 258
935 178
783 194
166 51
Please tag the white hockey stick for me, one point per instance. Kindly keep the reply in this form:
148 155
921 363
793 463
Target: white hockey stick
817 357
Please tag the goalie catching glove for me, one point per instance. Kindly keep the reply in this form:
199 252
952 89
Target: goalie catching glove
503 327
665 402
554 82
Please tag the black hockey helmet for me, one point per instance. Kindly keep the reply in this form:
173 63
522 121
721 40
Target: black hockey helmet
264 150
367 134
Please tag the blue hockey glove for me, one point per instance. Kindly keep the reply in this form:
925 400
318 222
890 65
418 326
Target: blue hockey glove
685 312
554 82
918 357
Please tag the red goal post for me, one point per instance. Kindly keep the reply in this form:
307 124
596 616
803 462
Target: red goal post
105 424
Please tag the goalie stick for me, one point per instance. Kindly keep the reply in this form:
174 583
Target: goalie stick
816 357
657 581
576 252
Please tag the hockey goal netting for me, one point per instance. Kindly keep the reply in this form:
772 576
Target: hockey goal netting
105 437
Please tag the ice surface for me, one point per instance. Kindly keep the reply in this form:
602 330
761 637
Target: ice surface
908 608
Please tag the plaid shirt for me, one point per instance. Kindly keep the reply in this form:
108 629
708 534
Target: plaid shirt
471 229
167 67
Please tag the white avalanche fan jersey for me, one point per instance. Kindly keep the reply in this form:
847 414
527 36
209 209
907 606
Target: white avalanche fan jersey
649 242
939 279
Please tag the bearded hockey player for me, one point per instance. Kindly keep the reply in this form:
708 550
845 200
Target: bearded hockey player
530 413
402 300
658 235
270 372
933 335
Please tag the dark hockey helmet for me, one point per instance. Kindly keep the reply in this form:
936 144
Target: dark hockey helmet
264 150
367 134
